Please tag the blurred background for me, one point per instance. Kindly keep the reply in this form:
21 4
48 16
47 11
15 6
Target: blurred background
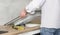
10 9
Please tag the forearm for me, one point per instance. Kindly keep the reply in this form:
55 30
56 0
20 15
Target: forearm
34 5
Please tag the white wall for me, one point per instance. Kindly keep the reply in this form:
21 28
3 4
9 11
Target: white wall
10 9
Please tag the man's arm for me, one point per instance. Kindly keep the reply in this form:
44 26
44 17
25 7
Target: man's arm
33 5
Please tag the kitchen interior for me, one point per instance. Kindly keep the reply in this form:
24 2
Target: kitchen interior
12 24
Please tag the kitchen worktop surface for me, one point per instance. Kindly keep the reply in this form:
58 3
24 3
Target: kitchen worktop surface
15 32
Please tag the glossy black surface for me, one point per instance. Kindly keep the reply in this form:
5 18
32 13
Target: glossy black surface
37 34
2 32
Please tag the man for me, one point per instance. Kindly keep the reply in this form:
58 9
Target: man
50 18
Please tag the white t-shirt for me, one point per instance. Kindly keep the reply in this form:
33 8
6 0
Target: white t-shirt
50 17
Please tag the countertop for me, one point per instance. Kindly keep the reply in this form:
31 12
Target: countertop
16 32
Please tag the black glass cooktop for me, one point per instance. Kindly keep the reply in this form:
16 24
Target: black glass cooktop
37 34
2 32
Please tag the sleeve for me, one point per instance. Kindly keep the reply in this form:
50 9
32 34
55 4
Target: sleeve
33 5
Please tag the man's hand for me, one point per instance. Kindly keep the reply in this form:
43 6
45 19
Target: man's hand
23 13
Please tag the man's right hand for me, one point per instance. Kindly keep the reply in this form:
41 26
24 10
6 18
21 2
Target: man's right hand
23 13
